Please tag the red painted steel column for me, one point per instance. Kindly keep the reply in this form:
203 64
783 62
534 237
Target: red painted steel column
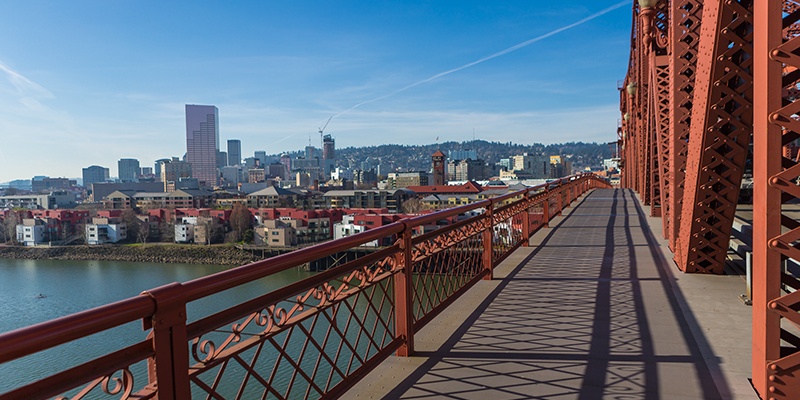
767 150
488 251
526 220
404 295
546 209
560 200
170 342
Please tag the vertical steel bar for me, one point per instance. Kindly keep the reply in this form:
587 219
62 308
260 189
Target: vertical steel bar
546 209
488 253
403 294
767 150
526 220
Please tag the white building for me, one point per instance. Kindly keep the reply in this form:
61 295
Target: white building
105 230
184 233
610 163
347 227
342 173
30 235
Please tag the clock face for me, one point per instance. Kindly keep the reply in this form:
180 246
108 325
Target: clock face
438 163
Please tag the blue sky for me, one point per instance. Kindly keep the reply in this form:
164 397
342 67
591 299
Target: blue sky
90 82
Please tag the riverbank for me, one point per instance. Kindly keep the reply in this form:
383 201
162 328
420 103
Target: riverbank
215 255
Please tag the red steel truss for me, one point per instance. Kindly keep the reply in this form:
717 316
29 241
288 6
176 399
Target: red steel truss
689 121
311 339
728 73
720 132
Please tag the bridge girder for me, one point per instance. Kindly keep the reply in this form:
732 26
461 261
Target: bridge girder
712 74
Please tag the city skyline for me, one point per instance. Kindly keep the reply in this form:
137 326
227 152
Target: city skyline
101 104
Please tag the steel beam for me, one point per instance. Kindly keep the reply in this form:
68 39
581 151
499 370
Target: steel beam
776 369
684 36
720 132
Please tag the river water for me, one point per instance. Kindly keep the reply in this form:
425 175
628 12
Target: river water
67 287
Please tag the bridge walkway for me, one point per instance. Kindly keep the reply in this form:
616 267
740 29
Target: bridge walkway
594 308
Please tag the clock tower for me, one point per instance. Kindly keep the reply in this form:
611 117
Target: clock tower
438 168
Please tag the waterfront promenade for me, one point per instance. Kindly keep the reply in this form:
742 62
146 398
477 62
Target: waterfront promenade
594 308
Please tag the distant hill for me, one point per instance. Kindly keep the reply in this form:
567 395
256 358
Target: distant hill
418 157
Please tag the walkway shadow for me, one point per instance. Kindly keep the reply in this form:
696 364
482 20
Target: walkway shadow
587 315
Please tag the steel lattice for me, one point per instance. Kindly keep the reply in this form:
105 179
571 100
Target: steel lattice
317 339
684 40
445 263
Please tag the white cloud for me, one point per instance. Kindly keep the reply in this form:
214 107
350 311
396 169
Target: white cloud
28 91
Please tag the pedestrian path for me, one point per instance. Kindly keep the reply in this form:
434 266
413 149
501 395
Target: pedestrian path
593 309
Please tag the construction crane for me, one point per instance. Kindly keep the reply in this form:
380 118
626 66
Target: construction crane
321 140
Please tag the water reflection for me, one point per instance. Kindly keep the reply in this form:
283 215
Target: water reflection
73 286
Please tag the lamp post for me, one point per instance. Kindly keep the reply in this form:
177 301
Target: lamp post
647 10
632 88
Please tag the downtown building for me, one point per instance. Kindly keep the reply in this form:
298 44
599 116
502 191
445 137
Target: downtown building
94 174
234 152
328 155
128 169
202 143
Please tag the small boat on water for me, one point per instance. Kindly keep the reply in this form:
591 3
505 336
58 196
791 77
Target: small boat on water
40 296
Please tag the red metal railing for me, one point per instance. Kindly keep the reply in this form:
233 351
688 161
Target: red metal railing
311 339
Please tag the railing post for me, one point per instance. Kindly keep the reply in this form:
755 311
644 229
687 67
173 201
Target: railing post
546 209
170 367
570 194
404 295
560 199
488 250
526 220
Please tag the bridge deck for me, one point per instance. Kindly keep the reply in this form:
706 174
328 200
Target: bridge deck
594 308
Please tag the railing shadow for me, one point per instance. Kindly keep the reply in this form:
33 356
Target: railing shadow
588 318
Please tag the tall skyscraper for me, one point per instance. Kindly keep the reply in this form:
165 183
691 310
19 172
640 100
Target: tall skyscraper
328 155
128 169
94 174
234 152
202 143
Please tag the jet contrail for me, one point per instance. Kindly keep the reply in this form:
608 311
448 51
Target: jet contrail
498 54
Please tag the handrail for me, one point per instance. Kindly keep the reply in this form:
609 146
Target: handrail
48 334
444 263
215 283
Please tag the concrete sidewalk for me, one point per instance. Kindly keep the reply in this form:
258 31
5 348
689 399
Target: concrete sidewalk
593 309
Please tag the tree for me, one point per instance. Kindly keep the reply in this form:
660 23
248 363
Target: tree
10 226
167 230
248 236
412 206
241 220
132 224
144 232
209 228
